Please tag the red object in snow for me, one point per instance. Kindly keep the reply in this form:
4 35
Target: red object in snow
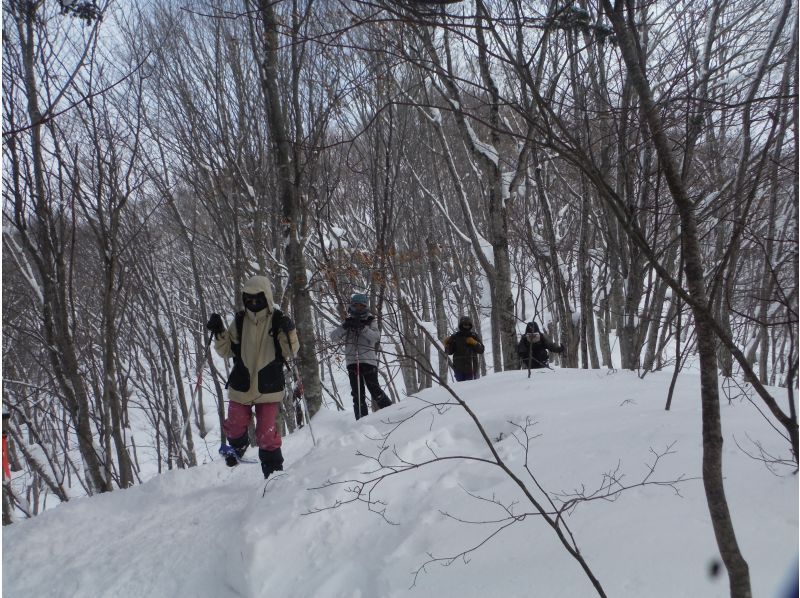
6 468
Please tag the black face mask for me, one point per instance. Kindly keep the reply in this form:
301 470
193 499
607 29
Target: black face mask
357 309
254 303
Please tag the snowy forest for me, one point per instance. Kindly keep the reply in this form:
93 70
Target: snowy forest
624 173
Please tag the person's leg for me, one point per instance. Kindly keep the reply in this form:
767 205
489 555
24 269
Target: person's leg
357 391
369 374
460 376
235 428
268 438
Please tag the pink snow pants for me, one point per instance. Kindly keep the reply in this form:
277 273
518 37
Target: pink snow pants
267 435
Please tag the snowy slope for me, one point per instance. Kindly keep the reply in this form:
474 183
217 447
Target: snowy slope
217 532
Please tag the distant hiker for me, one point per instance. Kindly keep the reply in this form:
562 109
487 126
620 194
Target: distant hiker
465 346
259 340
533 348
360 335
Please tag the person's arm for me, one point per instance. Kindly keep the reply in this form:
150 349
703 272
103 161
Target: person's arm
449 345
224 340
290 344
370 333
474 342
551 346
338 334
287 337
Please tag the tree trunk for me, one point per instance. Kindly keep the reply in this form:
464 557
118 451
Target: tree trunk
111 395
49 260
440 316
658 316
738 571
290 202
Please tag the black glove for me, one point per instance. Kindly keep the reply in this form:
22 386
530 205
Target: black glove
561 348
215 324
285 324
353 324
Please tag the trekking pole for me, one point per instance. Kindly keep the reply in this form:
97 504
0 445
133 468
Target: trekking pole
530 356
196 389
358 378
471 354
298 385
300 389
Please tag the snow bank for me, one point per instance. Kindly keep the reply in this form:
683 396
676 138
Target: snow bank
213 531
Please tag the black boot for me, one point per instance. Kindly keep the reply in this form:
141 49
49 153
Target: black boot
271 461
383 401
240 446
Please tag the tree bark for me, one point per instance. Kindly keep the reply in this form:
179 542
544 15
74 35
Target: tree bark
738 571
290 202
49 260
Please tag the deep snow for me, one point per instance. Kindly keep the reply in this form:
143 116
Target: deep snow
216 532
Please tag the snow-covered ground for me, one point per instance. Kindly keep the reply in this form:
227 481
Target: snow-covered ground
218 532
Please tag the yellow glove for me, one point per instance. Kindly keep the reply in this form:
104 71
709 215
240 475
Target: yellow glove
471 342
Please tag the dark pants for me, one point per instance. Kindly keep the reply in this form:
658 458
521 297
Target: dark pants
462 376
361 375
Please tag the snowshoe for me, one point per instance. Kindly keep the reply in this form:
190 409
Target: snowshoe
233 456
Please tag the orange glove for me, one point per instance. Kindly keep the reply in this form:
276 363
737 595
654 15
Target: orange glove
471 342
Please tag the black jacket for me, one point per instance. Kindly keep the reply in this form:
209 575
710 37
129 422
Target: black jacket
535 354
465 357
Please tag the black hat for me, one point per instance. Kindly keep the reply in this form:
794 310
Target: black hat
464 323
531 327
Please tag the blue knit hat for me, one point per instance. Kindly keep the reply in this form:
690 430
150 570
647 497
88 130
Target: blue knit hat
359 298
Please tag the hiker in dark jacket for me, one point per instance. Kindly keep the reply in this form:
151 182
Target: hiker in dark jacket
360 335
533 348
465 346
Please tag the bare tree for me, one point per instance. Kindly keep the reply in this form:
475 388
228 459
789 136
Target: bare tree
36 204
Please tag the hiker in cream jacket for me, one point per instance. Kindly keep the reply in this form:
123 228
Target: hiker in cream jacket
259 340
